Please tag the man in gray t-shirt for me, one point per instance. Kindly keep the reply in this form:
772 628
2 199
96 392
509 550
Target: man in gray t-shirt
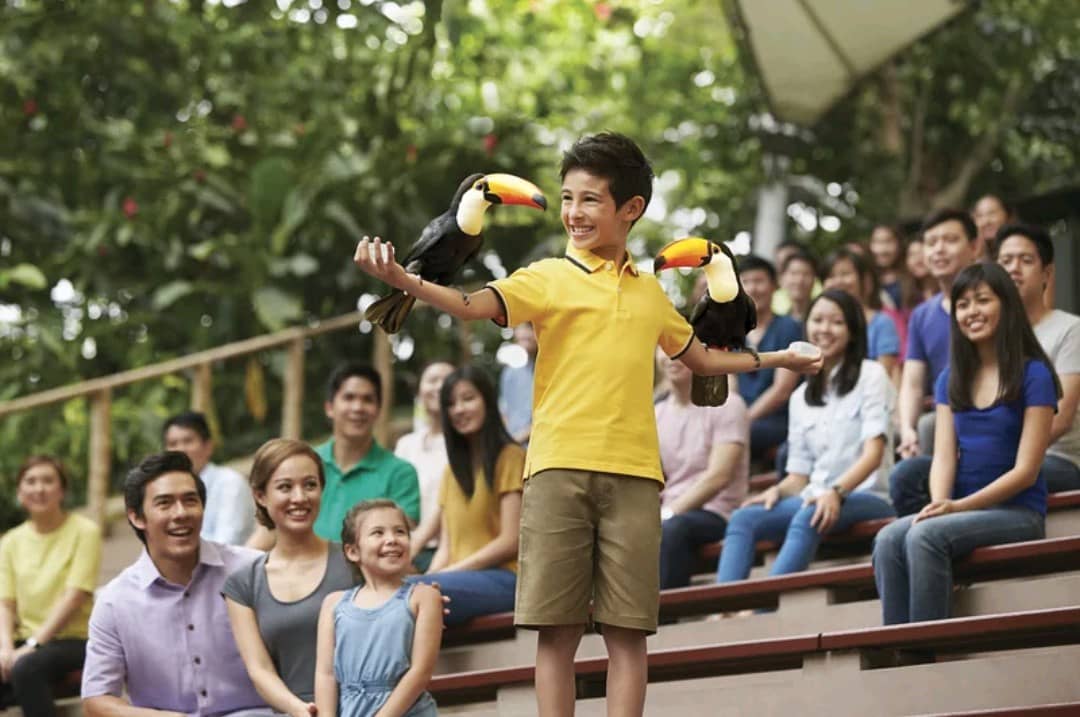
1028 255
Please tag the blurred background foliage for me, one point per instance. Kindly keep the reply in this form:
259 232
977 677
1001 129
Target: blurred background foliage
179 174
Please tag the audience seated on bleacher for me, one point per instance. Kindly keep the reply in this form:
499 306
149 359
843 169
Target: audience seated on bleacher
48 572
274 602
887 252
995 405
949 244
516 387
766 391
915 261
159 632
356 467
799 281
705 455
849 272
425 449
475 564
839 450
230 514
783 304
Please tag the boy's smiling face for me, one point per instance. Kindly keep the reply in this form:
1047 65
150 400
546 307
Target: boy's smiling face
591 219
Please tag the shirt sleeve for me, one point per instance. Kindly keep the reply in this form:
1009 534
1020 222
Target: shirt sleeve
509 470
405 490
730 422
941 388
240 585
1067 360
7 569
523 294
676 333
800 459
86 560
886 342
876 409
916 347
1039 388
104 671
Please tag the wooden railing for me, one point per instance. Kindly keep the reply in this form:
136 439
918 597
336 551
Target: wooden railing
99 392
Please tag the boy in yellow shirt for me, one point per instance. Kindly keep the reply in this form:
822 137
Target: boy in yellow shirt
590 524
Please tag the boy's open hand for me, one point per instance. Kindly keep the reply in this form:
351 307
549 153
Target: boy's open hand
376 257
799 359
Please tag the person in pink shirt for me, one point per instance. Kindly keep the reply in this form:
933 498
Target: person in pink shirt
705 455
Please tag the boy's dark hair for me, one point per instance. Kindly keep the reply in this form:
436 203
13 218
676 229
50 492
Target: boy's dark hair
616 158
753 262
150 469
948 214
1014 342
493 434
345 371
1035 234
848 374
192 420
803 256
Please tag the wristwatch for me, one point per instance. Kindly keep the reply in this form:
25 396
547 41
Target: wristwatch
842 492
32 643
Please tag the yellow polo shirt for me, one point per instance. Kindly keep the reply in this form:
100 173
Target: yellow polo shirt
597 326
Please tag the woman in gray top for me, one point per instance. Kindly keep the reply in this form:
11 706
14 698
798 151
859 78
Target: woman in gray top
274 603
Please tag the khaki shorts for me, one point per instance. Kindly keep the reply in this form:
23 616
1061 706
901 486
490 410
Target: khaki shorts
589 537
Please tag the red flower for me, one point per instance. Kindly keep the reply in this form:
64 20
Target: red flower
166 141
491 141
603 11
131 207
30 107
239 124
199 176
411 153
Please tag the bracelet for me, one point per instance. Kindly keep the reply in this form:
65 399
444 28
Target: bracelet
757 358
841 492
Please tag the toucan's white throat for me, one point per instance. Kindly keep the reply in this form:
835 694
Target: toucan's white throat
720 278
470 212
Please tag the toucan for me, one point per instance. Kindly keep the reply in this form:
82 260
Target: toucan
724 315
453 238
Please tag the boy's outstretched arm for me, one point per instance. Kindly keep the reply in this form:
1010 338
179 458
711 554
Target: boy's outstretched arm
483 304
706 362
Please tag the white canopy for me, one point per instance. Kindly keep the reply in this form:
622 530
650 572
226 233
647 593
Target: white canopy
810 53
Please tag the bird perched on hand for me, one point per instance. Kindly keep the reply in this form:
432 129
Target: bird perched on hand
724 315
453 238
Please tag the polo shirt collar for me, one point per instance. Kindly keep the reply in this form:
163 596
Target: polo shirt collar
591 263
373 460
146 573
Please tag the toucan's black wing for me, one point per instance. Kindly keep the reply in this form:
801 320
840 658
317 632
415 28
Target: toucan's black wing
438 228
699 310
750 320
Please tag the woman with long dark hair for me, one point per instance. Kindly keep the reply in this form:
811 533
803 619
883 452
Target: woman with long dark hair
839 451
475 564
848 271
995 404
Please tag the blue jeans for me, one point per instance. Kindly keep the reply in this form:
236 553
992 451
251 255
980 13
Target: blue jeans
1060 474
909 485
789 520
680 538
913 561
474 592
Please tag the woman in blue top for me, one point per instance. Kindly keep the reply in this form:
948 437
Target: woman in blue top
995 404
848 271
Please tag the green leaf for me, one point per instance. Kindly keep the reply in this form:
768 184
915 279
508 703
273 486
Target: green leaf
337 213
168 294
270 182
26 274
275 308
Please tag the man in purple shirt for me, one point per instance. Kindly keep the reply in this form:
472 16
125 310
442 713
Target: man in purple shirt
160 630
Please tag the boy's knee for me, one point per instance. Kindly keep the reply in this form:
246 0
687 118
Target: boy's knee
560 635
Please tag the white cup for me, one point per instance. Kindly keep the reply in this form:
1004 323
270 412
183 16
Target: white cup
805 348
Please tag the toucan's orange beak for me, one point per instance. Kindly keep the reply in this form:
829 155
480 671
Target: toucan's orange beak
510 189
690 252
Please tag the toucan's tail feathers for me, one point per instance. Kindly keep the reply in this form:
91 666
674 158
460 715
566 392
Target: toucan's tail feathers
390 311
708 390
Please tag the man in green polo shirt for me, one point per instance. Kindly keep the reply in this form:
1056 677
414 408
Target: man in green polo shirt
357 467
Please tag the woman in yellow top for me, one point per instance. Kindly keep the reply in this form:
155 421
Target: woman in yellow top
480 496
48 572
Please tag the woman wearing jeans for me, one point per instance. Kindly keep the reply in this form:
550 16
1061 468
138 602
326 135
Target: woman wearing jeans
995 404
475 564
838 450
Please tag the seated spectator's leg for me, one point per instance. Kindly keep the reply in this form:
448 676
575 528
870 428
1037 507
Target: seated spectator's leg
925 428
802 539
747 526
781 461
680 538
474 592
423 559
33 676
1060 474
934 543
909 485
891 571
767 433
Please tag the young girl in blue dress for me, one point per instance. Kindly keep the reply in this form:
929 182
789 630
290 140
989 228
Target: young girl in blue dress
995 404
378 642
